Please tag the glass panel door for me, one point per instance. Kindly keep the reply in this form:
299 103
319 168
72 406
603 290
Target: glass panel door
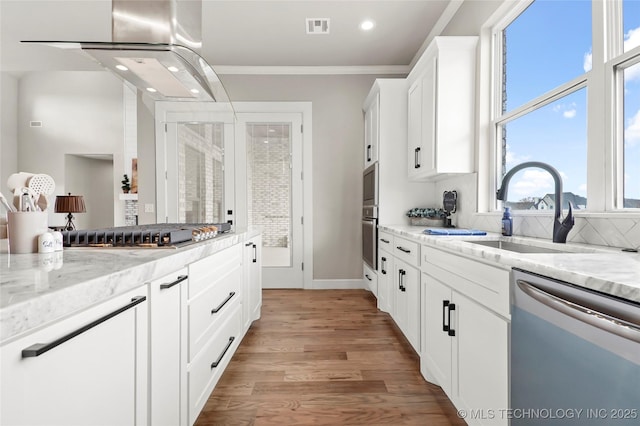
201 172
269 189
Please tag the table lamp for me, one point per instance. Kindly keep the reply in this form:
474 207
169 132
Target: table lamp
70 204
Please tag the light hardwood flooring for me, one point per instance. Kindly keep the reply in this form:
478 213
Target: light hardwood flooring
325 357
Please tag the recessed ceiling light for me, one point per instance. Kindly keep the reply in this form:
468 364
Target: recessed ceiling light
173 69
122 68
367 25
195 91
151 89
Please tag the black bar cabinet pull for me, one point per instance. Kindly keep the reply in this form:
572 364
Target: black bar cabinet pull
403 274
38 349
368 152
249 244
368 277
384 241
224 302
255 253
452 307
400 279
171 284
383 265
445 305
403 249
416 158
215 363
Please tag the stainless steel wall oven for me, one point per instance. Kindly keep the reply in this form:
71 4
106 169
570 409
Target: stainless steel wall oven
370 216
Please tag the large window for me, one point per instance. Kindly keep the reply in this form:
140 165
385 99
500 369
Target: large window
630 76
555 102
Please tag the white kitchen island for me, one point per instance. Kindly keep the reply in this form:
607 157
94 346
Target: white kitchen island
85 334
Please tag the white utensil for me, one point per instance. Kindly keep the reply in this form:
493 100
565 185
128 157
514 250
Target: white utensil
42 184
26 200
18 180
6 204
42 202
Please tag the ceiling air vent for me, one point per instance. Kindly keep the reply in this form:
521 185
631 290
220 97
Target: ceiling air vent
317 25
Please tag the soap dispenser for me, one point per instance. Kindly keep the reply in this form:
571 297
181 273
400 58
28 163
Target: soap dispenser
507 222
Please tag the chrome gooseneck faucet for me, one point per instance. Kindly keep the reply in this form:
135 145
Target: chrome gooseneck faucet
560 228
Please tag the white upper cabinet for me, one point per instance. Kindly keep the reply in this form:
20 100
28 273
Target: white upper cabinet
441 99
371 129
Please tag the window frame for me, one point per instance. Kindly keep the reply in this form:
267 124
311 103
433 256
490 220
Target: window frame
605 120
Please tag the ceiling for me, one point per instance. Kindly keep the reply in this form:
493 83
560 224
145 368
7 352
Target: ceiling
239 36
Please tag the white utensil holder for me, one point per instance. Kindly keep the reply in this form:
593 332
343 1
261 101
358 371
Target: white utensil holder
23 229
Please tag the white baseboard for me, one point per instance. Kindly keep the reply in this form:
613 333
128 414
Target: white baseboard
338 284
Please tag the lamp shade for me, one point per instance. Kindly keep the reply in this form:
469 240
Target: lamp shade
70 204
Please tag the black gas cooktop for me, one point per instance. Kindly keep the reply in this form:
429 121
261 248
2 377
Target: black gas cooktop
161 235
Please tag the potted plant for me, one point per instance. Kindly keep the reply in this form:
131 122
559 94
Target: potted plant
126 186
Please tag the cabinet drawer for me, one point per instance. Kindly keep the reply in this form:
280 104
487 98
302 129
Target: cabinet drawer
370 279
483 283
407 250
385 241
210 306
205 271
206 369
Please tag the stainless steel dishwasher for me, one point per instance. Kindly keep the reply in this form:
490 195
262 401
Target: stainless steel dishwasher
574 355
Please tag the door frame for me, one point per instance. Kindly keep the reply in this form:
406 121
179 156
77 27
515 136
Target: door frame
305 110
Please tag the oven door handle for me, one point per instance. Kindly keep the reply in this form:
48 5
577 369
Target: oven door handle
588 315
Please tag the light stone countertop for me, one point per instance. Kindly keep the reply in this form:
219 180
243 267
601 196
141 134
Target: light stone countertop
36 289
604 269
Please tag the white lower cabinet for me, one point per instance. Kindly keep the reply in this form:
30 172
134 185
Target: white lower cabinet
385 282
370 279
90 368
207 366
252 302
406 289
465 335
168 314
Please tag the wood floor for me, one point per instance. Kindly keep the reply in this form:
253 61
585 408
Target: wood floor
325 357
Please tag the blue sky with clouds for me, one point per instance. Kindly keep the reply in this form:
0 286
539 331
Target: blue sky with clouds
548 45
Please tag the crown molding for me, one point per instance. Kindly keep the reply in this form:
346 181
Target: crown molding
311 70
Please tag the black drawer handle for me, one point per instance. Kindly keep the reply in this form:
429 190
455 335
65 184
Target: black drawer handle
38 349
452 307
224 302
384 241
215 363
177 281
248 244
403 249
368 277
445 305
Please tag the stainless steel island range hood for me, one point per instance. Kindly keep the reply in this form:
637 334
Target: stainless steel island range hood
155 45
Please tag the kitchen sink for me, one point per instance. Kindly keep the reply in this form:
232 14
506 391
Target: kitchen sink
518 247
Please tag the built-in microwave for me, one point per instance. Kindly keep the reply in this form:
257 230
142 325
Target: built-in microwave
370 185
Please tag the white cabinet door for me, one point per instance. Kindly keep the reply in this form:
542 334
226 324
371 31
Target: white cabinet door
436 359
481 378
252 298
414 129
385 282
371 131
440 109
168 313
407 301
87 369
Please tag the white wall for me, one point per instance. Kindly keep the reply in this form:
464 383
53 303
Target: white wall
95 190
9 129
81 113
